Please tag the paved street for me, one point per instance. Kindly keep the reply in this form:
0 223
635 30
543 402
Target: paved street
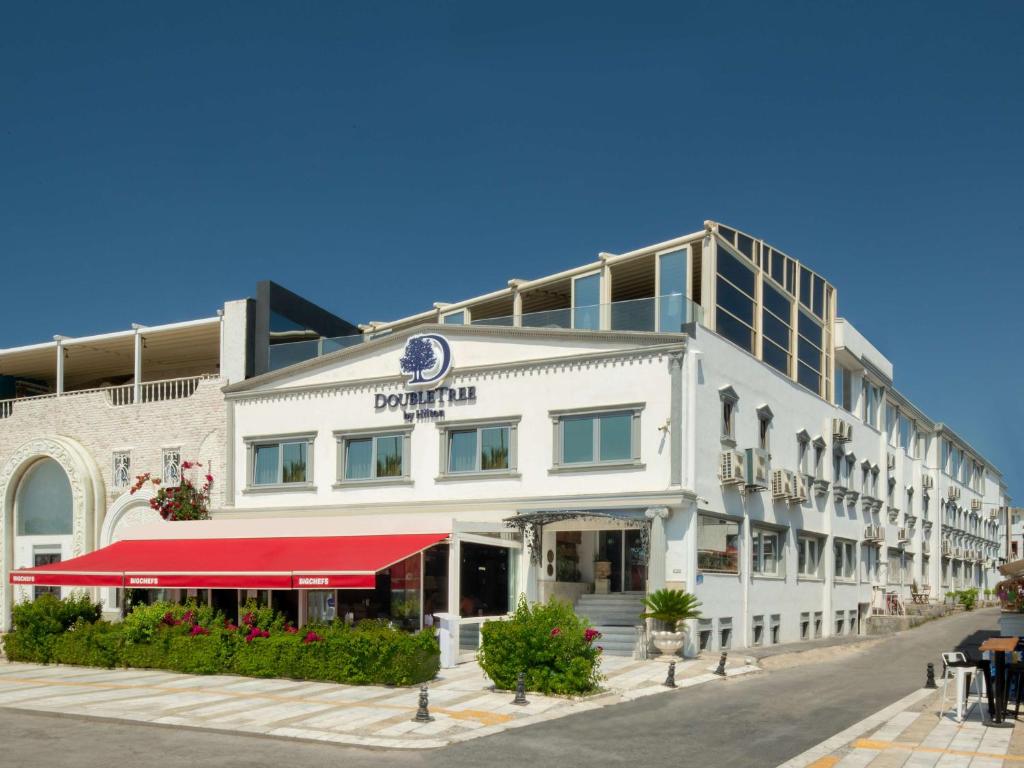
759 720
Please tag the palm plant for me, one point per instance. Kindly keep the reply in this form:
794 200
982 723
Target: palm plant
671 606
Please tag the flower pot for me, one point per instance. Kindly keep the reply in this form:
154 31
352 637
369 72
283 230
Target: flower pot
668 643
602 569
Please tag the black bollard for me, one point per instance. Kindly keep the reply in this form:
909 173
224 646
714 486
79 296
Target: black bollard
423 713
721 665
520 698
670 679
930 677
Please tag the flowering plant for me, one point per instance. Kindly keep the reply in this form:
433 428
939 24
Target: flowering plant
311 637
185 502
198 630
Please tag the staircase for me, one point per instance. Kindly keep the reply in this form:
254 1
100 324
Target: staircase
616 616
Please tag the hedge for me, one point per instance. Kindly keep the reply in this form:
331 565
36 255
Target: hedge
549 643
199 641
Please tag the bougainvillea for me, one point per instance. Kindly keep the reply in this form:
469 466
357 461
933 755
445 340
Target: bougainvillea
187 501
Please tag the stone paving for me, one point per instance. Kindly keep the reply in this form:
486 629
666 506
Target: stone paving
462 701
910 734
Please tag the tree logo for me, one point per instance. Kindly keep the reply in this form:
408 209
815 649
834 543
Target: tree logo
427 359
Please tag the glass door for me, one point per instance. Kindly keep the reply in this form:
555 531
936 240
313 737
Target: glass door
586 302
635 564
609 549
671 291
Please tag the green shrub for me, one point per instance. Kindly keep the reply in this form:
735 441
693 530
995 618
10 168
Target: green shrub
90 645
968 598
38 624
548 642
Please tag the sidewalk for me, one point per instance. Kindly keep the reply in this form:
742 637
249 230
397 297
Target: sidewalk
462 702
910 734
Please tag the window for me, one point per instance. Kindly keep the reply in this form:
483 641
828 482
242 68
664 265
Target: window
598 438
805 625
802 448
775 628
766 554
818 624
717 544
43 502
819 459
845 559
844 388
455 318
895 573
757 630
280 461
171 473
808 550
369 456
891 415
40 558
809 355
764 422
872 403
776 328
735 299
478 448
906 434
840 622
729 399
725 634
122 469
704 633
672 290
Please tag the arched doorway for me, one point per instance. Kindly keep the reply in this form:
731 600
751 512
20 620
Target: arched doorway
37 478
43 518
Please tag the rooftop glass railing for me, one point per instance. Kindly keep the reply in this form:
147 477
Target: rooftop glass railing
661 314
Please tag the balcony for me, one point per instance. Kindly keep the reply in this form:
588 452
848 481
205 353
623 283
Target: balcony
655 314
123 395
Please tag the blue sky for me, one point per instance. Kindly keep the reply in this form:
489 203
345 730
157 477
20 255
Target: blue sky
377 157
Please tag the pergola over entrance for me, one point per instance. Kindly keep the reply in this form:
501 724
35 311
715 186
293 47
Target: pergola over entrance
531 525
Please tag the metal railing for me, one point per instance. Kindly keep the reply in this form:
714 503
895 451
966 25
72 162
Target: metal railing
123 394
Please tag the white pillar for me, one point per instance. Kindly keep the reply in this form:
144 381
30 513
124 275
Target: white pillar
137 394
60 364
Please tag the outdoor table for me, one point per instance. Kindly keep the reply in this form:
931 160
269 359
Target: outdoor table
996 680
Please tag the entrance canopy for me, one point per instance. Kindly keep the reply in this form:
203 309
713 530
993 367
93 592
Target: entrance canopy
301 562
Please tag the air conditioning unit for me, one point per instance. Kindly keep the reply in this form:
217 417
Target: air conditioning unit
731 466
947 548
926 481
902 534
873 533
953 493
993 513
890 461
782 484
757 469
801 488
976 505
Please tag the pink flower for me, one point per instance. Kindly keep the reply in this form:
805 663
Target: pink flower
230 626
248 619
556 632
591 634
311 637
209 478
291 630
197 630
188 617
186 465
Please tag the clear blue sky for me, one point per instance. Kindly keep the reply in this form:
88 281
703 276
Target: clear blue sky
376 157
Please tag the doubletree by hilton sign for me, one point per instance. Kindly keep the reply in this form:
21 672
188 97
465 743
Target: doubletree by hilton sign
427 361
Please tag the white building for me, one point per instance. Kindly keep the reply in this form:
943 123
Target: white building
692 414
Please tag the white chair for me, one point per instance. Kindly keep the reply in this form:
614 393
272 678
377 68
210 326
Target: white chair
964 678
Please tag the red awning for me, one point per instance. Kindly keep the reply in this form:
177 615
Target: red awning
307 562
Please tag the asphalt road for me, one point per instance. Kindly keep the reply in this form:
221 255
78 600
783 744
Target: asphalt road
757 720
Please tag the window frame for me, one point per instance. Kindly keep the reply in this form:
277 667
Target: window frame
719 520
445 431
802 540
341 440
170 452
253 442
116 460
848 547
558 418
759 532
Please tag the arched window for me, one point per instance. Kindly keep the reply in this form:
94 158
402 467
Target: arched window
44 504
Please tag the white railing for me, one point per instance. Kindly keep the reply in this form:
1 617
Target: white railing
156 391
124 394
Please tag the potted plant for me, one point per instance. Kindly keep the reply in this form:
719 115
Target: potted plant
670 607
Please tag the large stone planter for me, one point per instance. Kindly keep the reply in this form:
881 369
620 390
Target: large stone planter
669 643
602 569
